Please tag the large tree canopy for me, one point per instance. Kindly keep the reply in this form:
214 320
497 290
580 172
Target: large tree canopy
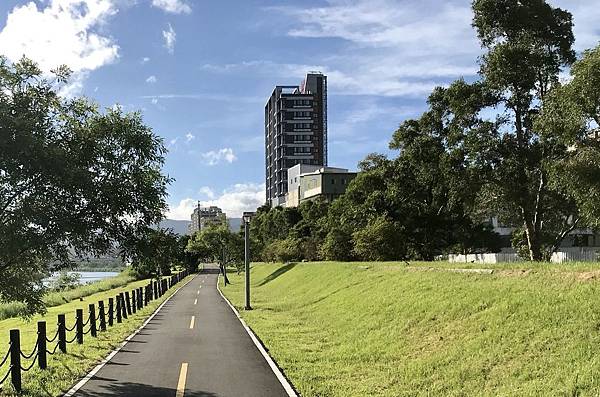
491 131
73 179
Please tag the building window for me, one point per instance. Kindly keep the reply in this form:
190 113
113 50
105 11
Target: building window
332 181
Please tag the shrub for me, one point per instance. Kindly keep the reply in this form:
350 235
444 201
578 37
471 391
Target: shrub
337 246
380 240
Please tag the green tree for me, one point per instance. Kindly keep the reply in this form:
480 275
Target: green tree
74 181
378 241
217 244
570 120
152 252
489 126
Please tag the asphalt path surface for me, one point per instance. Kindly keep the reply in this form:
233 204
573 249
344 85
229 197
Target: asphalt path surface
195 347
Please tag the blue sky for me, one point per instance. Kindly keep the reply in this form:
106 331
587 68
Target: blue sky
200 71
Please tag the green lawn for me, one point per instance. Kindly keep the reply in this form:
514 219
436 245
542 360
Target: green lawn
388 329
64 370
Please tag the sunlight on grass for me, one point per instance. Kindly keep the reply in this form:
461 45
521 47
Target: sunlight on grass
388 329
64 370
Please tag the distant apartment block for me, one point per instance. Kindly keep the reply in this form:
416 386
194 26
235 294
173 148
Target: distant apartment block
309 182
203 217
295 132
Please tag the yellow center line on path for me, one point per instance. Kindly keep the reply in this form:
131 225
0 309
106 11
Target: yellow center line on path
182 378
192 322
195 301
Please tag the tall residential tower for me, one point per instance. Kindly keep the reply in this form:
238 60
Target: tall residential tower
295 132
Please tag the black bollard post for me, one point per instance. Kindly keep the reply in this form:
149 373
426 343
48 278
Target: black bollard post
123 306
102 315
79 325
128 303
133 302
15 359
41 345
92 319
62 333
119 311
111 311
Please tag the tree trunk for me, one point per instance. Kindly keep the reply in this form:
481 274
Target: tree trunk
533 242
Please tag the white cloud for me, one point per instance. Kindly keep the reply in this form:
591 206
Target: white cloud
170 37
391 49
233 201
61 32
173 142
239 198
145 60
151 80
154 101
183 210
207 191
214 157
172 6
189 137
375 79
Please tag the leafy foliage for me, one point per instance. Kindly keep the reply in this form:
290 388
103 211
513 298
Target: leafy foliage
73 180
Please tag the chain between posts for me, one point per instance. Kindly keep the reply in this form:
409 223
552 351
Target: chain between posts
125 306
6 376
53 338
6 356
28 356
53 350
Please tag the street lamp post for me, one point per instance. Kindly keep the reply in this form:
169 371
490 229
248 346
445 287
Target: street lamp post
246 218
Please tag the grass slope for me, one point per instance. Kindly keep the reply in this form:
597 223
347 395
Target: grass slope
65 369
387 329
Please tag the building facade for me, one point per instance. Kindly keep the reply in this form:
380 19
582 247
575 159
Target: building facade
309 182
295 132
203 217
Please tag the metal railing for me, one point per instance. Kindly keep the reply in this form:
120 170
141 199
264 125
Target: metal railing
126 305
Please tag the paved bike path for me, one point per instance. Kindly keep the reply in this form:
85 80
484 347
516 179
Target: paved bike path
221 358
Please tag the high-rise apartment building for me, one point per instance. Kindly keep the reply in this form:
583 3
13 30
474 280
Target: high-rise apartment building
295 132
206 216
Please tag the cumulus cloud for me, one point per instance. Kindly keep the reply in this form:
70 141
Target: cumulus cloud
145 60
215 157
183 210
151 80
172 6
61 32
170 37
189 137
233 201
239 198
207 192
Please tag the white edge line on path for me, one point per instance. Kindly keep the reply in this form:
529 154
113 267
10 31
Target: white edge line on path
276 370
98 367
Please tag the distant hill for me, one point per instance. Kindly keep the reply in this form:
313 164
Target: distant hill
234 224
177 226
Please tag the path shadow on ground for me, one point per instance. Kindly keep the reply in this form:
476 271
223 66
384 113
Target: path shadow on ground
128 389
283 269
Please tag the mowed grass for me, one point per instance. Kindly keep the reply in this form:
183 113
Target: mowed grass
388 329
64 370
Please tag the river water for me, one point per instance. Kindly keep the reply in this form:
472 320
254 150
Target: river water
85 277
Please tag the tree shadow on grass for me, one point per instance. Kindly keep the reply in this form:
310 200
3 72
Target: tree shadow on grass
128 389
283 269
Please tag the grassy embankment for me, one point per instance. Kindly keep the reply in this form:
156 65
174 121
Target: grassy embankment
65 369
51 299
387 329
